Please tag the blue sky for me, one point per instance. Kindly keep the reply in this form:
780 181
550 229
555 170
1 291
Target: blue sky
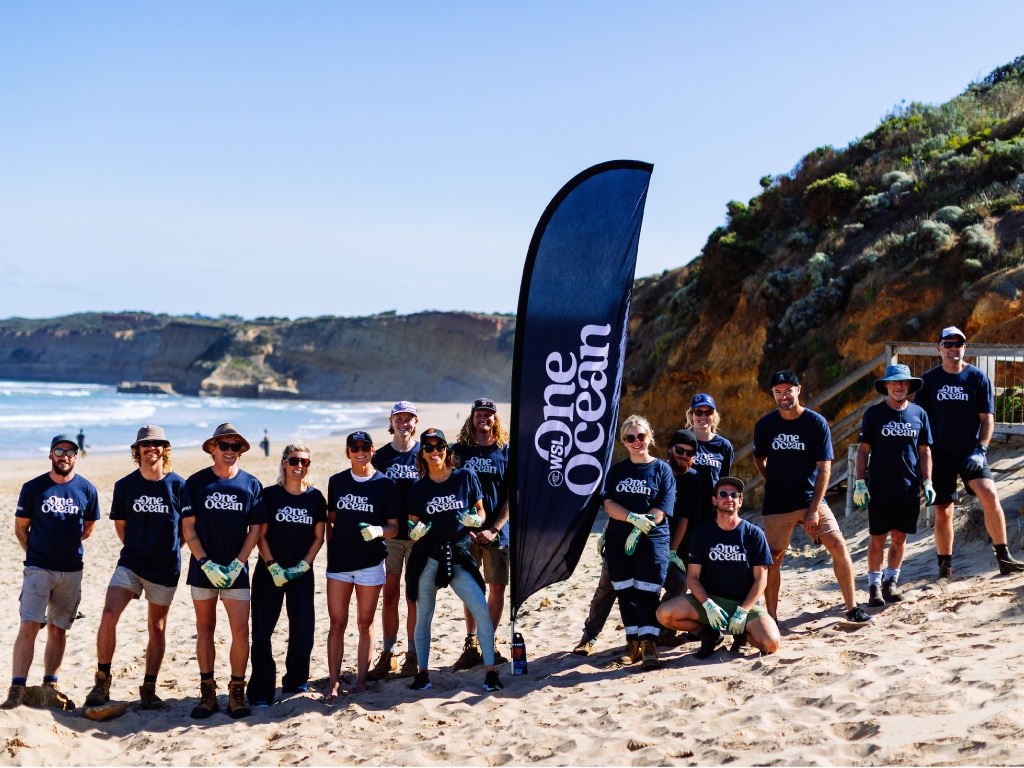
308 158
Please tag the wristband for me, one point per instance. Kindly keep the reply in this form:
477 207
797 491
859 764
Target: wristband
270 562
203 561
982 448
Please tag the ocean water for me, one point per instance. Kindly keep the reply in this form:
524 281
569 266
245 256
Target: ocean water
31 413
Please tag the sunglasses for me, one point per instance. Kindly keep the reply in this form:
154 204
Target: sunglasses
431 447
233 447
635 438
360 447
69 452
678 450
953 344
295 461
151 443
729 495
704 412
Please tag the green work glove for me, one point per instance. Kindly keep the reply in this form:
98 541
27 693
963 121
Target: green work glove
929 493
600 544
631 541
297 570
471 519
233 571
277 573
643 523
738 622
215 574
717 618
673 559
418 531
861 497
371 532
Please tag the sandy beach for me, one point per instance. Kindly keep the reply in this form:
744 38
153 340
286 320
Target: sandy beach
935 680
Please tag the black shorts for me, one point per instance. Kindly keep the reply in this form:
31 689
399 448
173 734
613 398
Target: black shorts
944 473
886 516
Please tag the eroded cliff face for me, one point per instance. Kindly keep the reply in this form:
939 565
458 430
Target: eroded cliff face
433 356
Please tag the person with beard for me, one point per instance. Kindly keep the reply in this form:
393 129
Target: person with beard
56 513
714 453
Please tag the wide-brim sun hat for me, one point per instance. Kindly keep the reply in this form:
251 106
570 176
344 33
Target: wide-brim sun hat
223 432
898 372
151 432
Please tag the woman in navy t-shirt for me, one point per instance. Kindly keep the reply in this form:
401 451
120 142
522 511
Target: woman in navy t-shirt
363 506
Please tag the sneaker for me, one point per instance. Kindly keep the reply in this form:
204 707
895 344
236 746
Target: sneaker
890 592
649 654
859 616
15 696
410 667
302 687
422 682
491 682
236 700
875 599
387 663
585 646
100 693
739 643
207 700
471 655
946 572
633 652
1008 565
48 695
148 698
709 641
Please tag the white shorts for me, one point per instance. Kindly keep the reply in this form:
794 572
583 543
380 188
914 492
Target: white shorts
374 576
158 594
209 593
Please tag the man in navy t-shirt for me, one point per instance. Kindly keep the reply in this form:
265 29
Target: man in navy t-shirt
56 512
793 453
727 572
147 517
958 400
896 436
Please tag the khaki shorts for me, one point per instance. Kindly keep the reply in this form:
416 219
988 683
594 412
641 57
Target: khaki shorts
50 597
158 594
778 529
209 593
398 555
727 605
495 561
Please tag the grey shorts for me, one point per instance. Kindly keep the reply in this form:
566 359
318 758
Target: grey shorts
365 577
398 555
209 593
50 597
158 594
495 562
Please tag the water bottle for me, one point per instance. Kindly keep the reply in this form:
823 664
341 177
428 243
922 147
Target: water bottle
518 655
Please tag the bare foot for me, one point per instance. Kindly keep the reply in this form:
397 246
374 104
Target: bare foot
333 693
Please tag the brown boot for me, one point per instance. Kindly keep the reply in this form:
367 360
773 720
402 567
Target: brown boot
649 650
100 693
409 665
236 699
471 655
633 652
15 696
148 698
386 664
207 700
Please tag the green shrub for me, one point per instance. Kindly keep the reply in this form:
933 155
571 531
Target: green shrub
829 197
950 214
898 181
1010 407
931 236
818 268
973 267
872 205
1003 205
977 243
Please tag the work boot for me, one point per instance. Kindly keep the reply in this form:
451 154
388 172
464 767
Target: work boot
633 652
387 663
649 653
236 700
890 593
946 572
471 655
585 646
1008 565
409 665
15 696
739 643
48 695
148 698
100 693
207 700
875 599
709 641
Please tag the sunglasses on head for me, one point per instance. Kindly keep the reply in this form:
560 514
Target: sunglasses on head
952 344
703 412
361 447
678 450
729 494
233 447
151 443
431 447
296 461
69 452
635 438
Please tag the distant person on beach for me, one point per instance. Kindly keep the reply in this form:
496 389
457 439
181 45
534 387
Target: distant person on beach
483 447
444 506
363 509
896 436
80 442
265 444
640 494
56 512
296 515
222 520
793 453
727 574
958 400
714 452
397 460
146 511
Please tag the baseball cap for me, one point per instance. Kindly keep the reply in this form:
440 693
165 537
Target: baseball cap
733 481
358 436
950 331
484 404
435 434
702 399
683 436
784 377
403 406
151 432
63 439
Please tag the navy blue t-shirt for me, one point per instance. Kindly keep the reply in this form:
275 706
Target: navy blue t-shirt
442 504
894 437
793 449
491 466
291 522
713 460
640 488
400 467
953 402
351 502
727 558
223 511
58 512
688 489
151 510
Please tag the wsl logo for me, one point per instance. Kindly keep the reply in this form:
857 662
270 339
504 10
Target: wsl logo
55 505
727 552
293 515
635 487
899 429
950 392
151 504
223 501
787 443
354 503
576 391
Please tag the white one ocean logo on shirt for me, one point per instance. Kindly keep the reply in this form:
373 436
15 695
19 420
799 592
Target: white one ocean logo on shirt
631 485
480 465
223 501
730 552
899 429
440 504
293 515
950 392
402 472
787 443
151 504
707 460
55 505
354 503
